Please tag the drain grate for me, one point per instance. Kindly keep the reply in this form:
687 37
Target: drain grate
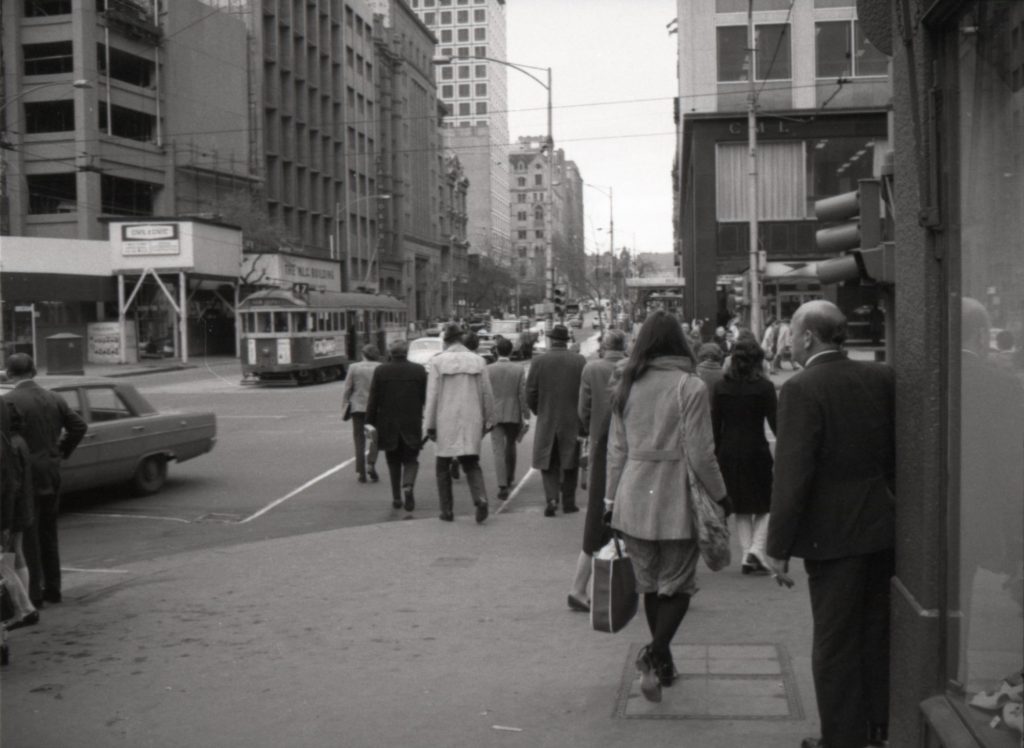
454 562
717 681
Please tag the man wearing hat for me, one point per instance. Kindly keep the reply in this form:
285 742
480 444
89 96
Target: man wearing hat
552 392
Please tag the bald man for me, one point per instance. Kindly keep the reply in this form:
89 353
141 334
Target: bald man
833 506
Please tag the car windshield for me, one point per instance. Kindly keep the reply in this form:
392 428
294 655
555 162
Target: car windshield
425 345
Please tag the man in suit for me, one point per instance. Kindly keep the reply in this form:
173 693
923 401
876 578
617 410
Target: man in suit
52 431
398 392
353 401
508 383
833 506
552 392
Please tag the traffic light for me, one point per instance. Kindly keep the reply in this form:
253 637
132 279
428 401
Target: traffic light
857 235
558 298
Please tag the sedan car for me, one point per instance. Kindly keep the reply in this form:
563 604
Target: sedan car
128 440
422 350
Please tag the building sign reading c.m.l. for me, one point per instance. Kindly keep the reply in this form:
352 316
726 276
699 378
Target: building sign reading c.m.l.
150 239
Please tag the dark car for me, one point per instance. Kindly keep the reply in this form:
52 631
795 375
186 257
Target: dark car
128 440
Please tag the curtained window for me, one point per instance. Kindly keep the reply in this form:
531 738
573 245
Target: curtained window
781 181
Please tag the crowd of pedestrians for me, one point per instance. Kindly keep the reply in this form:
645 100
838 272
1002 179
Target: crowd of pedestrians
677 406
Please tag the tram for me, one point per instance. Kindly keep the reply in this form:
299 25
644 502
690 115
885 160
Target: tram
312 336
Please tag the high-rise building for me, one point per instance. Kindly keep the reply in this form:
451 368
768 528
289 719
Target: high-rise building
471 34
822 95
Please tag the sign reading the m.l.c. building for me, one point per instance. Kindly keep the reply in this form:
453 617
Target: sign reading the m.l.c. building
149 239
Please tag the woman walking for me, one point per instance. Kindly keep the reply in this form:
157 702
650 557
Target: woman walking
740 404
661 421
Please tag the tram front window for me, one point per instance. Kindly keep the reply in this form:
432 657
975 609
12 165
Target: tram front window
280 321
299 322
263 322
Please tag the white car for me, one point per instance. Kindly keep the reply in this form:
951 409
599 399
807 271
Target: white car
422 350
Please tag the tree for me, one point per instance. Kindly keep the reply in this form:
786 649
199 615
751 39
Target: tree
490 285
260 235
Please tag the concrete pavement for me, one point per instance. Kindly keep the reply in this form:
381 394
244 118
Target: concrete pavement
410 633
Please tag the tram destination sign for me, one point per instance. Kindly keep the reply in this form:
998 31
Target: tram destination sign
149 239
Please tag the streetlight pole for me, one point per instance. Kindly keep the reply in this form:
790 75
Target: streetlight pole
549 253
755 255
611 223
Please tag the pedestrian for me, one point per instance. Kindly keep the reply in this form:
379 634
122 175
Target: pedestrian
353 405
459 411
398 393
661 422
709 364
595 414
771 334
511 413
741 402
553 391
16 516
52 431
783 347
833 506
721 339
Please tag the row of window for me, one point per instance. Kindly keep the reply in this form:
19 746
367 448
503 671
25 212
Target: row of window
58 193
463 54
841 50
59 116
462 35
447 18
55 58
444 3
465 72
538 181
299 322
465 90
538 213
538 197
537 234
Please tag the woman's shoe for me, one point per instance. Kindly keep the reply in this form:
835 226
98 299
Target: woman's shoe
649 685
666 672
578 605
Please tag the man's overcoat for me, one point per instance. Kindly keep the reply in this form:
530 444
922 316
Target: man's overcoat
552 392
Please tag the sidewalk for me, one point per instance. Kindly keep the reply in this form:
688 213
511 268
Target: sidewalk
415 633
157 366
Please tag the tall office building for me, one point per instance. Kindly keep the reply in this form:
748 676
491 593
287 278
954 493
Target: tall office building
476 91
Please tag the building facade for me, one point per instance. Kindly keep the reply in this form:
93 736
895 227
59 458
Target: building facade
822 94
454 220
471 34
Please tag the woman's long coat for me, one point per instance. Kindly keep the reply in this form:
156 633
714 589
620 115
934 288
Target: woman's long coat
665 421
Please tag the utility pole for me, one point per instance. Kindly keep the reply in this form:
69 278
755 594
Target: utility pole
549 253
755 265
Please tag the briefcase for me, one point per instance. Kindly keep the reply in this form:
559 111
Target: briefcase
613 599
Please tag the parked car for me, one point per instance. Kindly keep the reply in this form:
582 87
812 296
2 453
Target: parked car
422 350
128 440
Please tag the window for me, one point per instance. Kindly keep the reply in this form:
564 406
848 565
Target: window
521 181
446 36
127 123
463 89
462 16
773 59
538 213
835 164
52 193
447 92
985 344
521 215
446 72
835 42
48 59
538 234
521 233
521 197
538 179
464 109
105 405
463 72
446 18
480 51
480 34
125 67
50 116
37 8
481 107
463 35
781 181
127 197
481 71
479 15
481 89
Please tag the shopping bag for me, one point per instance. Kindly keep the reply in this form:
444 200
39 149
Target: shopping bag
613 599
709 525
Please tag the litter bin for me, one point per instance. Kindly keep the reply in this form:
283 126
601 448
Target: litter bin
65 354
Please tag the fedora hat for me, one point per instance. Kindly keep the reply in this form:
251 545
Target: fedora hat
559 332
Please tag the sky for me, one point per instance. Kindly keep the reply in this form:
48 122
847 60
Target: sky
613 80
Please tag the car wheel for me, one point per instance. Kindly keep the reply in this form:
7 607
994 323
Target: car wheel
150 475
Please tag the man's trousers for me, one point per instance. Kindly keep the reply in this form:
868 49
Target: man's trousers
850 654
503 440
558 481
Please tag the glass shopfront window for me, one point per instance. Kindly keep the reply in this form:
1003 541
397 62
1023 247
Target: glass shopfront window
986 517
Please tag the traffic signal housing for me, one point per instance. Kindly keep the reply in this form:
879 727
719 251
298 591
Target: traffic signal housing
558 298
856 236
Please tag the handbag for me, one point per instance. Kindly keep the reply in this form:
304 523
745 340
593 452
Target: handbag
708 516
347 415
613 598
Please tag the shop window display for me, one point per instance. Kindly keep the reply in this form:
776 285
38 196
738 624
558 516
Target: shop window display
986 530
